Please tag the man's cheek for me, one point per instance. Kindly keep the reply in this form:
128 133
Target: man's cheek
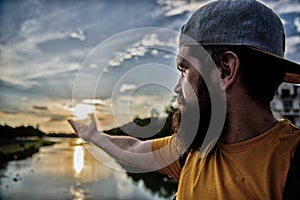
189 93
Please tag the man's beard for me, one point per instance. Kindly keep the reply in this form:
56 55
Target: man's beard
190 124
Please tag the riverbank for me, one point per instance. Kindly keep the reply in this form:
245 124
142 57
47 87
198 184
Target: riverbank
20 149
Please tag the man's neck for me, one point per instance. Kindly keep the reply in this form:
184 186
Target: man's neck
247 122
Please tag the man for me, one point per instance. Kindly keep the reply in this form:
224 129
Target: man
252 156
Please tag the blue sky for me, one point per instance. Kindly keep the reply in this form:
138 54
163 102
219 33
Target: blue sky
49 47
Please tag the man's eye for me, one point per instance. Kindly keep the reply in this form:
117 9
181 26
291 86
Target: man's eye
183 72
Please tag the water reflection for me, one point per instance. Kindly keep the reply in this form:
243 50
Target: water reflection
76 189
78 160
68 171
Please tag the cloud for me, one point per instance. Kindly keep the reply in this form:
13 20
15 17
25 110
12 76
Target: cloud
148 43
126 87
78 34
293 48
61 119
40 107
26 79
93 65
99 102
10 112
154 52
17 83
50 114
173 8
126 107
297 23
61 68
135 52
23 61
283 7
21 118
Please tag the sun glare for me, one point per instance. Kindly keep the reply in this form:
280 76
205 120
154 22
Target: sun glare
81 111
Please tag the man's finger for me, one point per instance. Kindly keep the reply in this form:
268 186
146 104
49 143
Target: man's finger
93 120
72 123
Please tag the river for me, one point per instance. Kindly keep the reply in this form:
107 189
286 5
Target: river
67 170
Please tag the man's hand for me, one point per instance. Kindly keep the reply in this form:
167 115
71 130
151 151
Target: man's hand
125 149
84 131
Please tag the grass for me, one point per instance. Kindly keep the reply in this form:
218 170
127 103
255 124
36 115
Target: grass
16 150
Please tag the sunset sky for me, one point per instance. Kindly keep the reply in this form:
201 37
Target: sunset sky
63 59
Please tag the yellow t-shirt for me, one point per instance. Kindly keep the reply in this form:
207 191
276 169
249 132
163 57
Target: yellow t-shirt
252 169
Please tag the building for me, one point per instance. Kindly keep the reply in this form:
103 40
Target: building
286 103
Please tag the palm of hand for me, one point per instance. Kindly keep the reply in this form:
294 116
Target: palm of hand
85 131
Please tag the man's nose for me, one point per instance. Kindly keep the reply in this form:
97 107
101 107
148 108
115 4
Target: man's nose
178 87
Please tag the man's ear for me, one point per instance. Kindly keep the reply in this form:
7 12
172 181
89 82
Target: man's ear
230 64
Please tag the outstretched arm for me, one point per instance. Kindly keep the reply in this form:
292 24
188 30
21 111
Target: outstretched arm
125 149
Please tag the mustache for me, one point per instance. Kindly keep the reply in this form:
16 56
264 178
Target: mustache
181 101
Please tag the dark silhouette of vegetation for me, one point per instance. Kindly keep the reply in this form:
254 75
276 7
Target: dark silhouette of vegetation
20 142
156 123
21 131
8 132
20 149
64 135
156 182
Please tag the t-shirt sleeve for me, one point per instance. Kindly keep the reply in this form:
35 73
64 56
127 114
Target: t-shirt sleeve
166 155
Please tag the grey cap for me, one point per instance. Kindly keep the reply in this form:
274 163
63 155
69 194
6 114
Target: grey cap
240 22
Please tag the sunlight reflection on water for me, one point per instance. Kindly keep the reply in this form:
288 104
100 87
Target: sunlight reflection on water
77 191
78 160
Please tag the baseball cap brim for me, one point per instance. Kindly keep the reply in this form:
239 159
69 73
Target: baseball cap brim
292 69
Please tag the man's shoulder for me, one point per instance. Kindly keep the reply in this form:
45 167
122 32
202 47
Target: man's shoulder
287 127
288 133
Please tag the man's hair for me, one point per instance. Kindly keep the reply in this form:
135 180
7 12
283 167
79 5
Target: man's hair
260 74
